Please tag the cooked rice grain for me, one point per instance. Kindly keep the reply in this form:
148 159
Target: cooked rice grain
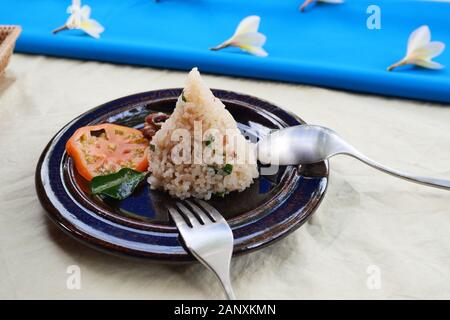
198 105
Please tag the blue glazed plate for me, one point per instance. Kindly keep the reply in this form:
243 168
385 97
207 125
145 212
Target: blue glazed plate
140 226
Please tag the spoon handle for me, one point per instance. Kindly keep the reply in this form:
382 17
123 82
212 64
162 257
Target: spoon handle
428 181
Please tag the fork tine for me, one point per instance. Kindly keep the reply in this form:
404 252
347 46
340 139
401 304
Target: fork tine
188 214
178 219
211 210
203 216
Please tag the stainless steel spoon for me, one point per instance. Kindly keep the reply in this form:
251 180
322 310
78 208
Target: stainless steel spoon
307 144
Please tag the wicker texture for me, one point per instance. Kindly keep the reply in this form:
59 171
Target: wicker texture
8 36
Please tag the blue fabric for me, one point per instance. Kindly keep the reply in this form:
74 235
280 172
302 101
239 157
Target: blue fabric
329 45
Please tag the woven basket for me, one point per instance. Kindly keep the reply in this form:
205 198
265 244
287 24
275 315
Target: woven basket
8 36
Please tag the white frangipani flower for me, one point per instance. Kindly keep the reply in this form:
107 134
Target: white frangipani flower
80 19
308 2
247 38
421 50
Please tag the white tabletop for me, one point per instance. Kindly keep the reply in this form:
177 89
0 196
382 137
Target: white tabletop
374 236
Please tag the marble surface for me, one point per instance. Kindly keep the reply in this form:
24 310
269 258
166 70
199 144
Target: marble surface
373 237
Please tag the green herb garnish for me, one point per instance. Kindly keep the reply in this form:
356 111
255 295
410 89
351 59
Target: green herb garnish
220 194
152 147
227 169
209 141
119 185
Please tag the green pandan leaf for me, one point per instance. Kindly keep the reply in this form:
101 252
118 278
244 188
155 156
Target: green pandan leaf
119 185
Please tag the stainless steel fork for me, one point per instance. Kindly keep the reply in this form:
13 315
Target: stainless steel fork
207 236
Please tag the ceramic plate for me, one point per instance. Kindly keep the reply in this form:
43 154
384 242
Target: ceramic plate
140 226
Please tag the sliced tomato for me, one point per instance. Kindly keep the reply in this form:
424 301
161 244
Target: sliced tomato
107 148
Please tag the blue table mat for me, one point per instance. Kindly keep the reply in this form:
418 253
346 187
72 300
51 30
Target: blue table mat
329 45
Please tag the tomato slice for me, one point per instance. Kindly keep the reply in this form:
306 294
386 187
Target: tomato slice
107 148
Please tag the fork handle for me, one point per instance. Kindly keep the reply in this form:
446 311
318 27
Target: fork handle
222 273
228 289
428 181
225 281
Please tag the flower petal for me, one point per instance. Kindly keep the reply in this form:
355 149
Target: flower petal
74 21
418 38
85 12
427 64
250 39
248 24
257 51
92 28
429 51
